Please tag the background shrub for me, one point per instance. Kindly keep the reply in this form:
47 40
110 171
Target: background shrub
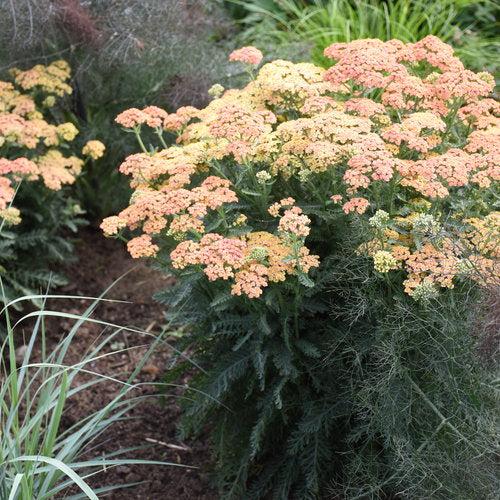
471 27
124 53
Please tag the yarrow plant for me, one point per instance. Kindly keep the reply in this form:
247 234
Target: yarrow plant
390 157
33 166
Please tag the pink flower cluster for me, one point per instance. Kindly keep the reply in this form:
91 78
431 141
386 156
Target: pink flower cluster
374 64
294 222
142 246
155 117
220 256
391 128
152 208
234 258
368 167
411 132
358 205
247 55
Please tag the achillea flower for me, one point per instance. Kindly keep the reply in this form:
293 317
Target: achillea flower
463 84
481 114
247 55
57 170
424 291
241 220
319 104
434 51
275 208
263 176
220 256
6 192
240 127
67 131
384 261
438 266
364 107
485 271
484 234
174 122
27 135
112 225
94 149
142 246
400 252
277 253
295 222
49 101
368 167
250 281
20 168
407 93
410 131
11 215
49 79
313 131
285 85
426 225
131 118
216 90
380 219
306 261
358 205
155 116
370 63
183 224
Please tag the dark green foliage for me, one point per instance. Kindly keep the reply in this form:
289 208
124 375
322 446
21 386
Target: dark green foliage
373 396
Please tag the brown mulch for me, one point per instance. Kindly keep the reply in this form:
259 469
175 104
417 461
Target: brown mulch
100 262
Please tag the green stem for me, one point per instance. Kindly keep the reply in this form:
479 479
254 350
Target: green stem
159 133
137 131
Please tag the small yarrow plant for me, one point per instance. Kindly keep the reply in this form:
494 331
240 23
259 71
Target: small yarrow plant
36 170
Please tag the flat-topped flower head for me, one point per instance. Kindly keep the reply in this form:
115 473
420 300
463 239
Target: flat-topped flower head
398 138
142 246
358 205
34 147
94 149
131 118
247 55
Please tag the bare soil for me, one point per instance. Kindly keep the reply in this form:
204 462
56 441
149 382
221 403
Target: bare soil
99 263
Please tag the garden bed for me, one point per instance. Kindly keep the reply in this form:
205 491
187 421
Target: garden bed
100 262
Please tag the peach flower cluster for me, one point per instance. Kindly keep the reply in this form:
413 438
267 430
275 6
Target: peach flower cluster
179 209
51 79
247 55
251 262
387 124
29 144
94 149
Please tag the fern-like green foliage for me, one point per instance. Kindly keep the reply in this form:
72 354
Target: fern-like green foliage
32 252
375 397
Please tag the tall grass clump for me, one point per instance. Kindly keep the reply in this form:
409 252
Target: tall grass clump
469 26
39 457
333 232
